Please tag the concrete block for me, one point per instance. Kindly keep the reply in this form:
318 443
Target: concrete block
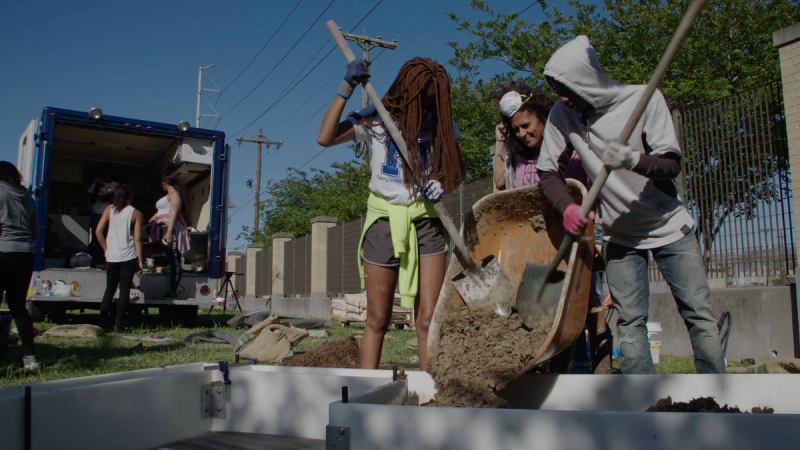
238 264
279 241
250 303
314 307
253 270
786 36
319 252
761 322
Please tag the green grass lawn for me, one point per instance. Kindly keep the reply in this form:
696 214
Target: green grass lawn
76 357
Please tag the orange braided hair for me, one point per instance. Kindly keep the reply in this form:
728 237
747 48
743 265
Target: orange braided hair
404 102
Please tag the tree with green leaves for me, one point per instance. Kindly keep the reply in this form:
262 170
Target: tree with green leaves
293 201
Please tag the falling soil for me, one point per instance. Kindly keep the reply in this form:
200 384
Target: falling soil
477 352
702 404
340 353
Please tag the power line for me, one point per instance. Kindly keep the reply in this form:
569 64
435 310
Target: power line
284 95
363 18
262 48
314 95
306 75
279 62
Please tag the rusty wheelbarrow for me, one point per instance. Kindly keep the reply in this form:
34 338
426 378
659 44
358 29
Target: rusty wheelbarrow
519 228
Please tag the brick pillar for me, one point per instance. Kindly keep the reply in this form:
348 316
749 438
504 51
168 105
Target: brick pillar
279 240
788 42
237 264
253 273
319 254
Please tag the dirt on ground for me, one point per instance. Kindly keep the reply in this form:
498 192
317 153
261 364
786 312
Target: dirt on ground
340 353
477 353
702 404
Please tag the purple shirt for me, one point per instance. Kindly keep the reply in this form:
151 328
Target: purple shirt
525 170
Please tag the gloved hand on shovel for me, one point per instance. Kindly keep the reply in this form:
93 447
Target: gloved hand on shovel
433 191
618 156
573 221
355 75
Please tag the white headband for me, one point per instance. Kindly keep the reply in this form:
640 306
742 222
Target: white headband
511 103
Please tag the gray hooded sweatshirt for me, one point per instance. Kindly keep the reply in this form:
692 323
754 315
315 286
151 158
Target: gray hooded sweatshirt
640 208
18 225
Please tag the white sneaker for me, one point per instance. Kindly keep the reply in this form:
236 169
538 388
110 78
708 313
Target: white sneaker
30 364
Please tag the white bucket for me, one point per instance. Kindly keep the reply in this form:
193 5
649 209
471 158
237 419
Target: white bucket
654 336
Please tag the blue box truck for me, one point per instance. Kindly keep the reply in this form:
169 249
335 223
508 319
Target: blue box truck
59 156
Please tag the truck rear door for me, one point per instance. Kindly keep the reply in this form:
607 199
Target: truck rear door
26 153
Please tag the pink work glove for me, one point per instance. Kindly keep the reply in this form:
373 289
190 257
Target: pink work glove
573 221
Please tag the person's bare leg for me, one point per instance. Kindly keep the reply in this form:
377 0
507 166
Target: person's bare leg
431 276
380 283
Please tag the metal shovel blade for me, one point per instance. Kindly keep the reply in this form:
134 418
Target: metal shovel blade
531 310
486 284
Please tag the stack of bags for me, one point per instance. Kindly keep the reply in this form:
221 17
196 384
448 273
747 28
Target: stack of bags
351 308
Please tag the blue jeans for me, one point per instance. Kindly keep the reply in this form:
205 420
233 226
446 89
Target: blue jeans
682 267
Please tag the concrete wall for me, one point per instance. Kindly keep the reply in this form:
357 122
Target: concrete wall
313 307
761 322
788 42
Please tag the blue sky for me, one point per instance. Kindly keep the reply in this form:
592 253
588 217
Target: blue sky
140 59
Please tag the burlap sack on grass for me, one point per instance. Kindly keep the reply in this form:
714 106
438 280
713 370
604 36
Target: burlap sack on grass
269 341
80 330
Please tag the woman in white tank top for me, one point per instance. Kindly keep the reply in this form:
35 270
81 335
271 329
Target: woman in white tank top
123 249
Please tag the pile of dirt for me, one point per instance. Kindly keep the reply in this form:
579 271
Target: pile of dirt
342 353
477 352
702 404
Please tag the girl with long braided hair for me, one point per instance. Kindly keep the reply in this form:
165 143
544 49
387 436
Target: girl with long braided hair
403 243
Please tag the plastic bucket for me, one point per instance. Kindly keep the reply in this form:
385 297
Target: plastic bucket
654 336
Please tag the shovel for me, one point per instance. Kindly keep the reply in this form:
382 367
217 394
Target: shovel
541 287
482 283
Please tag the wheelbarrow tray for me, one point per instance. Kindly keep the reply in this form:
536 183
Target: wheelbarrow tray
519 227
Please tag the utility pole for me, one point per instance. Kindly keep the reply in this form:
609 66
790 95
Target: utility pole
259 139
367 43
200 90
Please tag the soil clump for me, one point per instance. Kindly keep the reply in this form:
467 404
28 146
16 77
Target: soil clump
339 353
477 352
702 404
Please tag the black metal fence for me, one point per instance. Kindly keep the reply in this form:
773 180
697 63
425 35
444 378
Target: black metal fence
737 185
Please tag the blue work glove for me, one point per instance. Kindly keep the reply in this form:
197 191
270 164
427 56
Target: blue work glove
433 191
355 75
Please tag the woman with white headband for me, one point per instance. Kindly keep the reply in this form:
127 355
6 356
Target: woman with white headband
518 140
518 137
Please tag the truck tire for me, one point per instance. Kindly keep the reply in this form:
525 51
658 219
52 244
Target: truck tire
176 315
36 311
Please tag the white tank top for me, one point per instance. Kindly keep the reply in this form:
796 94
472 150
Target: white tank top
162 205
120 238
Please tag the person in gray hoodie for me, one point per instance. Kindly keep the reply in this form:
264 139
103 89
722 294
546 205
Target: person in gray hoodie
639 205
18 231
